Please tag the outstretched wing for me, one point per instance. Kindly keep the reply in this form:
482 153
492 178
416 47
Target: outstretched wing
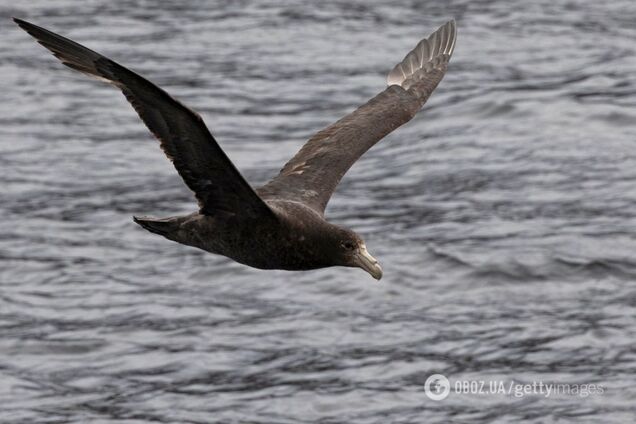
312 175
206 170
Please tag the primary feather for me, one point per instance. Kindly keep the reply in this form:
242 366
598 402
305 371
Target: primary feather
313 174
204 167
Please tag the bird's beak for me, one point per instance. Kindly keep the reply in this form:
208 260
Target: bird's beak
367 262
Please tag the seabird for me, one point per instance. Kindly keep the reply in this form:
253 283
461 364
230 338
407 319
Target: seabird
282 224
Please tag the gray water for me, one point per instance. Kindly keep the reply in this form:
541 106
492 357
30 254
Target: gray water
504 216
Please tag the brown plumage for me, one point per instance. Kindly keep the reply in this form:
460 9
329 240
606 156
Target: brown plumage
280 225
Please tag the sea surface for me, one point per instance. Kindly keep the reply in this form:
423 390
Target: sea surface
504 216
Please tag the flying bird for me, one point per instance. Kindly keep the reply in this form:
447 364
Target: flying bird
282 224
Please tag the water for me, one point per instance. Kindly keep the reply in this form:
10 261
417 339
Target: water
503 216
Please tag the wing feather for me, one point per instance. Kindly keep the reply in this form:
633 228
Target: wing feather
183 136
312 175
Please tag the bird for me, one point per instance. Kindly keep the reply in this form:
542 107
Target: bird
282 224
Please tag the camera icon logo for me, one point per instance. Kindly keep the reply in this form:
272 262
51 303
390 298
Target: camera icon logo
437 387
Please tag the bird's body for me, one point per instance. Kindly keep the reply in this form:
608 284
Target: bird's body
292 241
280 225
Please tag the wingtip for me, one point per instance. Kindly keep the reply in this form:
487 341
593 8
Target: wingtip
432 51
452 26
21 22
26 26
447 34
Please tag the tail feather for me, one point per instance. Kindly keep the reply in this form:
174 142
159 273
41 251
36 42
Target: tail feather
161 226
431 53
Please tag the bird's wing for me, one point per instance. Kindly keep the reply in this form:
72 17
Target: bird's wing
206 170
312 175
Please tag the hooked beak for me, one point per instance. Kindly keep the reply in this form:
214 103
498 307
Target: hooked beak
367 262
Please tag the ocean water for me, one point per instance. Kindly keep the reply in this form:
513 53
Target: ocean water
504 216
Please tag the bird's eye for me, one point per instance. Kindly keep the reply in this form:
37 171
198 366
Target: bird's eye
348 245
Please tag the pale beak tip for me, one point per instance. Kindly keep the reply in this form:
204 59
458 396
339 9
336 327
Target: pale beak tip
368 263
377 274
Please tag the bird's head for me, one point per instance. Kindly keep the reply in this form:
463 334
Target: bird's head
352 252
325 244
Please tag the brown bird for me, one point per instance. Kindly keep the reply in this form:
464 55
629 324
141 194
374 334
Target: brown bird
282 224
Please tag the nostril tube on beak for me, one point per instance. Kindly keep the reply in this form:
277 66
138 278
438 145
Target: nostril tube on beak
364 260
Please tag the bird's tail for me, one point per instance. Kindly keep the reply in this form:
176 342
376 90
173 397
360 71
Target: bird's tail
166 227
431 53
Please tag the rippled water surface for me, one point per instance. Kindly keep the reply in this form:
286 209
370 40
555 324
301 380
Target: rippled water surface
504 216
